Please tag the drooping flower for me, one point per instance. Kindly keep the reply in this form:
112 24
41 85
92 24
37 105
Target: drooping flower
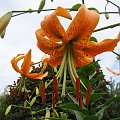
75 39
26 65
71 48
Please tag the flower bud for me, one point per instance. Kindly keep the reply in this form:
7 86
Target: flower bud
41 6
4 20
2 34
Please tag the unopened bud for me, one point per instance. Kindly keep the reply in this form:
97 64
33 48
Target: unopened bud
41 6
2 34
106 15
4 20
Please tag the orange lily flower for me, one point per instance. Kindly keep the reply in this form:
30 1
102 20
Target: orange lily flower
25 67
71 48
75 39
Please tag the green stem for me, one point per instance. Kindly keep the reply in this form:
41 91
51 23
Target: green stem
110 26
31 11
116 54
113 3
21 107
64 81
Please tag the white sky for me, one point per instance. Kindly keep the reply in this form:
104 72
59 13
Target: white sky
20 34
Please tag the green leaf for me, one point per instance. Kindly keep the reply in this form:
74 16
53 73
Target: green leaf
111 100
83 78
97 78
41 6
72 98
32 101
88 69
8 109
92 8
25 103
56 119
101 111
91 117
75 7
115 119
95 96
79 115
93 39
71 106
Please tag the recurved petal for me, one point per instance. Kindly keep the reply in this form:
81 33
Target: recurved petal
15 60
63 13
54 61
52 27
46 45
80 59
82 25
94 48
25 67
90 25
37 75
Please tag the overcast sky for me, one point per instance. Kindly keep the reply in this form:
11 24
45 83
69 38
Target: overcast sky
20 34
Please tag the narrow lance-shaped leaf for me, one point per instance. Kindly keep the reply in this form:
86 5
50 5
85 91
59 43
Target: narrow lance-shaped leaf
75 7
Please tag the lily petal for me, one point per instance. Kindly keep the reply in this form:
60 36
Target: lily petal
91 23
37 75
53 28
25 67
63 13
82 25
113 72
80 59
14 62
54 61
46 45
94 48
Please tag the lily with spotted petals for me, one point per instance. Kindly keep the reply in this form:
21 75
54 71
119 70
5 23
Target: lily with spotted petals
71 48
25 68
